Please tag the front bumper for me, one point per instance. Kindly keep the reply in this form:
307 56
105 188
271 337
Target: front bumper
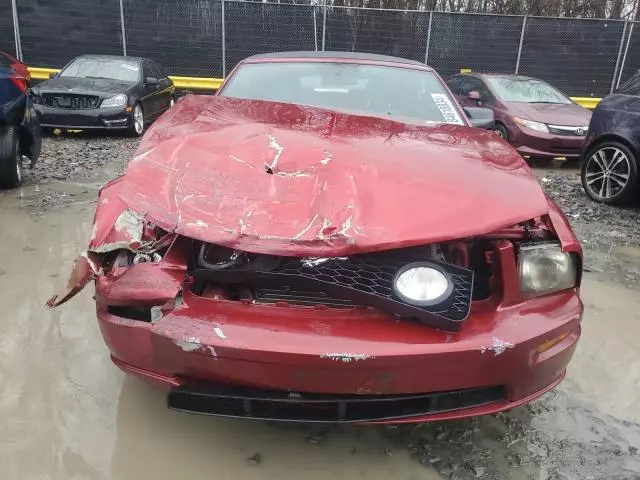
208 344
95 118
532 143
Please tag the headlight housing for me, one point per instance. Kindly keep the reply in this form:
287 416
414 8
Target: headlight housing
545 268
422 284
119 100
540 127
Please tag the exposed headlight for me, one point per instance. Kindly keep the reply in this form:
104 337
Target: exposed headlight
540 127
544 269
422 284
115 101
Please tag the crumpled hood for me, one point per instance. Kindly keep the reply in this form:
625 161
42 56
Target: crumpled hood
570 114
290 180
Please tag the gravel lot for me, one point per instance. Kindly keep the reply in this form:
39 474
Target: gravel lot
564 435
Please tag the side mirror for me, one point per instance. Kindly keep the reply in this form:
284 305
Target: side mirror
473 95
53 75
151 81
480 117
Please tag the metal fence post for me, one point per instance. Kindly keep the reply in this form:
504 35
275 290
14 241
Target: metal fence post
426 53
524 28
615 70
324 25
16 29
315 28
124 35
224 47
624 57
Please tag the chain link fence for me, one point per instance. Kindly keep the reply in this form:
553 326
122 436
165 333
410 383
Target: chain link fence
7 34
185 36
208 38
52 33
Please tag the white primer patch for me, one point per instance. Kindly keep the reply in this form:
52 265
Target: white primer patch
498 347
199 223
131 222
327 158
279 149
211 351
219 332
446 108
189 344
346 357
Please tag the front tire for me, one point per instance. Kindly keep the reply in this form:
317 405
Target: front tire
609 174
501 131
10 158
137 121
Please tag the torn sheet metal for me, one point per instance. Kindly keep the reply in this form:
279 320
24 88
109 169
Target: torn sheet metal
85 268
199 170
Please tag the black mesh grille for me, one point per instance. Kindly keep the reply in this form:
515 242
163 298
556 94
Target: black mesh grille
222 400
360 279
73 102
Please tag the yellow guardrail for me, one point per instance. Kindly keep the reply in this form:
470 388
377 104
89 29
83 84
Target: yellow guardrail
202 83
186 83
587 102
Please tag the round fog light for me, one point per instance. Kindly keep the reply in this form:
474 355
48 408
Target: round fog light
422 284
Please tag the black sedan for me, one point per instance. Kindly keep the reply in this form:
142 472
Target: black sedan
19 128
105 92
611 156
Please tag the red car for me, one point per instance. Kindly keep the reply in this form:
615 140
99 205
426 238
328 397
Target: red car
540 121
311 245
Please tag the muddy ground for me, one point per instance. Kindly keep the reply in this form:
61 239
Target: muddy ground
67 413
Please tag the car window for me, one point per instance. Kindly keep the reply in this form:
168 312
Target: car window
146 70
631 86
473 84
155 71
102 67
455 84
414 96
529 90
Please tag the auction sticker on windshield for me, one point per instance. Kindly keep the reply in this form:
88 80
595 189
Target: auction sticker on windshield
446 108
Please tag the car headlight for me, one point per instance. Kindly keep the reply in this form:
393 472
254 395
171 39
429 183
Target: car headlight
422 284
545 268
115 101
540 127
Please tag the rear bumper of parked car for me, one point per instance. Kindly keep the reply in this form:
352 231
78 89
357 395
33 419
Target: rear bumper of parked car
276 362
95 118
536 144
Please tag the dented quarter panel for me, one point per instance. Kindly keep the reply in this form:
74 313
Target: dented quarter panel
339 184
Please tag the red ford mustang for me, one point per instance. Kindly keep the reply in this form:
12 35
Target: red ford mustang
330 240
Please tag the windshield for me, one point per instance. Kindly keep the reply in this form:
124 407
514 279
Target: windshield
529 90
413 96
111 68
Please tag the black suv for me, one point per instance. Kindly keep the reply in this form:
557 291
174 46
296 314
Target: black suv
19 126
611 155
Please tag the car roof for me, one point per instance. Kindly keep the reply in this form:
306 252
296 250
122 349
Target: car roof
493 75
117 57
355 56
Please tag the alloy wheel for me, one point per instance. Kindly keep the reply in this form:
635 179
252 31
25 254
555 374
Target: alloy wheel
138 120
607 172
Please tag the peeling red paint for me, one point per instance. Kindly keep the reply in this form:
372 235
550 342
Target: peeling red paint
340 184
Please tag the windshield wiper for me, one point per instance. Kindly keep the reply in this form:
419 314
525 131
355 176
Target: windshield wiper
99 78
556 103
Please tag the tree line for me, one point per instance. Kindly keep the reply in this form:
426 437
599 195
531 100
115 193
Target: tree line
613 9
